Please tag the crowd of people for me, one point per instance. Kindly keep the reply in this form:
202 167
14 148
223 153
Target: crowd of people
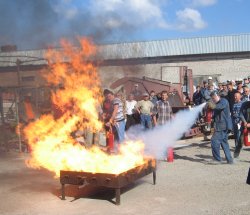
148 110
230 102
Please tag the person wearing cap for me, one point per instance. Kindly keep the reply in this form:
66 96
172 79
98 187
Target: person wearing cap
145 109
222 127
210 81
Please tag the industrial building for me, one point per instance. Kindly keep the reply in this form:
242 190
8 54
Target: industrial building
222 57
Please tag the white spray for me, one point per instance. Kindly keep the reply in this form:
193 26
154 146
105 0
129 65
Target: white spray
160 138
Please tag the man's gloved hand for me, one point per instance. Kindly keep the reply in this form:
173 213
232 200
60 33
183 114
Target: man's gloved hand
211 105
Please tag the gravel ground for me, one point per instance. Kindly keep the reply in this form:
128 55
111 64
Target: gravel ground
189 185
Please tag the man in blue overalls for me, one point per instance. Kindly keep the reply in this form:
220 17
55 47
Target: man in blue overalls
222 126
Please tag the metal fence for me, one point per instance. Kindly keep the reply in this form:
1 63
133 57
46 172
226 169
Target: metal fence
13 113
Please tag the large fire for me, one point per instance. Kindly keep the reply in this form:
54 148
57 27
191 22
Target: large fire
79 97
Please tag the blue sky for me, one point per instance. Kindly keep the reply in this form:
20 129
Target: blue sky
39 23
220 18
163 19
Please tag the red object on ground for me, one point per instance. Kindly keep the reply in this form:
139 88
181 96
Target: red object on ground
170 157
246 133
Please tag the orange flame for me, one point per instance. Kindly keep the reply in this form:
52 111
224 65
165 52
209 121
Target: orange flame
50 139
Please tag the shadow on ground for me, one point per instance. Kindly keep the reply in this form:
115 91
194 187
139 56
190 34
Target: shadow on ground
196 158
94 192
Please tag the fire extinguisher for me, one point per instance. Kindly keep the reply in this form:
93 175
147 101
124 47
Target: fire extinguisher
246 134
209 114
170 154
208 119
110 139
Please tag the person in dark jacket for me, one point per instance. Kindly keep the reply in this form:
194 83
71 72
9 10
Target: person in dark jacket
230 96
245 119
197 96
222 126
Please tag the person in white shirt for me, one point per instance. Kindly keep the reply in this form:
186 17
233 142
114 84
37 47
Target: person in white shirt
130 111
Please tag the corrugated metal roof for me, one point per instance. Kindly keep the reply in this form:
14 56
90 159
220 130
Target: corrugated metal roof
171 47
175 47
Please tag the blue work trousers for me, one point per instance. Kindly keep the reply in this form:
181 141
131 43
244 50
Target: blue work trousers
220 138
146 121
120 129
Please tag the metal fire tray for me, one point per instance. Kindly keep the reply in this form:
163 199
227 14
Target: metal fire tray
115 181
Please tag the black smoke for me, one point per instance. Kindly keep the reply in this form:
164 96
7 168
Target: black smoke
34 24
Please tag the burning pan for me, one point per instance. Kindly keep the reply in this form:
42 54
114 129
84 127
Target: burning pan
115 181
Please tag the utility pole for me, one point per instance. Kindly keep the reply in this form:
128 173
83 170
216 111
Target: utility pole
17 99
1 107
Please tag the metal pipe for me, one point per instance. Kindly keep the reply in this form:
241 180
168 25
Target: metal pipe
18 122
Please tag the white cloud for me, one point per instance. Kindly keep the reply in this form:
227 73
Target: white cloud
203 3
116 14
190 19
132 12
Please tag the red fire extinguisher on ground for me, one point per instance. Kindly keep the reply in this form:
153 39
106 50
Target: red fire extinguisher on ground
170 154
246 134
110 139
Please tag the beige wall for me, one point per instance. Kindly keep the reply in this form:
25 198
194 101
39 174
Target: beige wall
227 69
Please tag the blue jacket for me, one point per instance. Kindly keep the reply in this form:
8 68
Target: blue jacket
244 112
222 118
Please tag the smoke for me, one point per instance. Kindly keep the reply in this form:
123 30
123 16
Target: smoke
159 139
41 23
32 24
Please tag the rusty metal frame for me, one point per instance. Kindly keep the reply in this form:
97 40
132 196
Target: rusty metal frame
115 181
